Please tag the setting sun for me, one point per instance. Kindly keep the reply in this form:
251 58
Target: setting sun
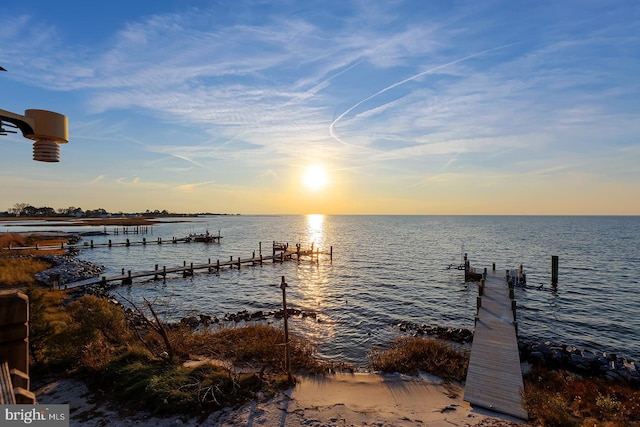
315 177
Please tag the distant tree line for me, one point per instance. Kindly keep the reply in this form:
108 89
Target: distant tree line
26 209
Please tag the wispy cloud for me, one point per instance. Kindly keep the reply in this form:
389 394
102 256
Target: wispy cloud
387 89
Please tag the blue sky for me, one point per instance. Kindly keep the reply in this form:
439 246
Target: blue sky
409 107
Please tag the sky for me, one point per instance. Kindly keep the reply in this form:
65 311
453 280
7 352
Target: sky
333 107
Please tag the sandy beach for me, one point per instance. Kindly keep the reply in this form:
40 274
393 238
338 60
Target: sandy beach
336 400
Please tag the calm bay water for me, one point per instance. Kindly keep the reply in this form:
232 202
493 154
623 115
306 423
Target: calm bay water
388 269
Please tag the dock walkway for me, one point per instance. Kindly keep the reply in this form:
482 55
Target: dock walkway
494 378
280 254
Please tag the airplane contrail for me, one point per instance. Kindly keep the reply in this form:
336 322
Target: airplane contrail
401 82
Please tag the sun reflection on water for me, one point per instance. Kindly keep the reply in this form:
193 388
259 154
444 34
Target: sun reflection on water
315 229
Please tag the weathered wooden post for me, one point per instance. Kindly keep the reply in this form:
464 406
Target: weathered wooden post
164 273
494 266
128 243
91 243
554 270
123 271
260 246
218 266
466 268
331 253
14 343
155 277
481 287
238 263
109 242
287 354
159 240
260 259
144 241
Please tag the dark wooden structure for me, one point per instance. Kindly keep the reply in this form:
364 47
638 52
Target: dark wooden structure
14 348
280 253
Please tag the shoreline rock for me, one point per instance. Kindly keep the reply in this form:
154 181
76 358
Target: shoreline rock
69 268
580 361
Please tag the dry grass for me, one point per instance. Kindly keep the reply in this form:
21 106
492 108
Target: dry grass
559 398
256 346
18 267
413 354
13 239
19 240
90 336
19 272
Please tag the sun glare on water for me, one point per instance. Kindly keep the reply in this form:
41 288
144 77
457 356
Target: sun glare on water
315 178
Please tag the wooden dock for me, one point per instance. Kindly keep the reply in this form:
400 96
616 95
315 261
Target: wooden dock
494 378
280 253
210 238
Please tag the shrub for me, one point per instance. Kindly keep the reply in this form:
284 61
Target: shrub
565 399
413 354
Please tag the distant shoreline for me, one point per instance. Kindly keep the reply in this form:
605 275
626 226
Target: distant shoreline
66 221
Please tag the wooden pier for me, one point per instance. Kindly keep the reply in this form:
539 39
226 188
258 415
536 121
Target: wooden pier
280 253
494 377
126 243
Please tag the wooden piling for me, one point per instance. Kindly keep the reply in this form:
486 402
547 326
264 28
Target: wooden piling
554 269
287 360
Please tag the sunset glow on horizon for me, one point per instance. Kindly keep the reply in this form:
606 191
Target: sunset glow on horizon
276 107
